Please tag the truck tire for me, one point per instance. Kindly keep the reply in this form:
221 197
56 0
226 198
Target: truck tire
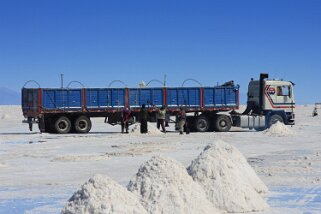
82 124
62 125
275 118
222 123
202 124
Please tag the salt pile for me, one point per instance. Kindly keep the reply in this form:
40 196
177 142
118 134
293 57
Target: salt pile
278 129
103 195
228 180
5 116
165 187
151 129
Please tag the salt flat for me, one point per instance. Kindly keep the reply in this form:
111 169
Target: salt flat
40 172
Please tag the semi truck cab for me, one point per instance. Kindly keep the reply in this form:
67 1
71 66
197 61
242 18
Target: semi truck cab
271 99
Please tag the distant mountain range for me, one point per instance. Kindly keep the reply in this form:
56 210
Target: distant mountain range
9 97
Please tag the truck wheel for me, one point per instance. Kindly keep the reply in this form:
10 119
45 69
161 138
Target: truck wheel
82 124
202 124
222 123
62 125
274 119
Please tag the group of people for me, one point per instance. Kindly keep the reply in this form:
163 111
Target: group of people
143 116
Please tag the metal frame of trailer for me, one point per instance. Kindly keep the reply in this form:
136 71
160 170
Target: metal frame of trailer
37 101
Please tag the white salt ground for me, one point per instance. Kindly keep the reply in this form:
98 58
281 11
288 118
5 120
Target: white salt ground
151 129
278 129
165 187
228 180
103 195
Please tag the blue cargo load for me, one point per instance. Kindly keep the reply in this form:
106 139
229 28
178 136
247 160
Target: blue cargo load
105 99
188 97
148 96
221 97
61 99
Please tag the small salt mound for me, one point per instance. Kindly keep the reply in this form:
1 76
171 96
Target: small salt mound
103 195
5 116
228 180
278 129
165 187
151 129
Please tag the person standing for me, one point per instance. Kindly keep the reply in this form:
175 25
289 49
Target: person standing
181 120
143 120
125 116
161 114
315 112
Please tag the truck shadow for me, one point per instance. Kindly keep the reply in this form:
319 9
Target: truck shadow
20 133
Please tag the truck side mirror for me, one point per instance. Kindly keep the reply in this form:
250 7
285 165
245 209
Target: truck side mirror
290 91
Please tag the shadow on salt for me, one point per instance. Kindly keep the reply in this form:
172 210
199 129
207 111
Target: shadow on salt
23 142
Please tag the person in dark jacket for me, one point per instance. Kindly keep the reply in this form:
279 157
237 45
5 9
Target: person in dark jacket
143 120
125 116
315 112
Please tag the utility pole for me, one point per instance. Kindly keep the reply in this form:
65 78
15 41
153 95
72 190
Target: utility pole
62 80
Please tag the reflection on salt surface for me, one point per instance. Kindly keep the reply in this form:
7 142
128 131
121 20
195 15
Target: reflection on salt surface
306 199
49 200
39 205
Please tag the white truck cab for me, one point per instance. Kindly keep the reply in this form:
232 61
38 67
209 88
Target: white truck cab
268 101
277 94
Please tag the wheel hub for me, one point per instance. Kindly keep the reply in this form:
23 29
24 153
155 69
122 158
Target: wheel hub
82 124
223 123
62 125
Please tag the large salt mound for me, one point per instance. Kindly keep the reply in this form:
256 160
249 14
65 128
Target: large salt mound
103 195
228 180
151 129
278 129
165 187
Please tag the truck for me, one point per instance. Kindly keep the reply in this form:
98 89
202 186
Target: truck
213 108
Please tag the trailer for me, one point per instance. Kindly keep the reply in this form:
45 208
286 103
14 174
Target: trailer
65 110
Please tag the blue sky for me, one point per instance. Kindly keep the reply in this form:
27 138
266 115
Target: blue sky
96 42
